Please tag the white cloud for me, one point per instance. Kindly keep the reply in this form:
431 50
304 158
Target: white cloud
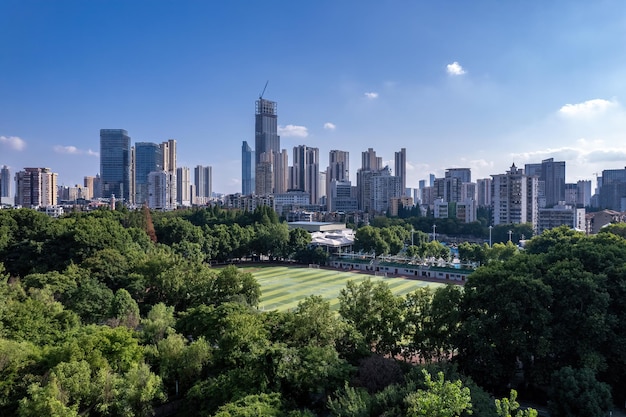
13 142
371 95
329 126
455 69
587 108
293 131
73 150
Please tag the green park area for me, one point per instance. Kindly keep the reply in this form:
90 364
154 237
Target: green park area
283 287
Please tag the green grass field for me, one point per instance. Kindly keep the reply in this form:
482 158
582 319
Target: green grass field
284 286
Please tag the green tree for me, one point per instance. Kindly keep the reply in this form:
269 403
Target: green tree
577 393
232 284
258 405
158 324
375 312
124 310
350 402
441 398
509 407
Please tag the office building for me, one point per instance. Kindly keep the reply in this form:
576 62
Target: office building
612 193
5 182
463 174
148 158
342 197
514 198
559 215
115 163
247 169
551 181
36 187
183 186
266 139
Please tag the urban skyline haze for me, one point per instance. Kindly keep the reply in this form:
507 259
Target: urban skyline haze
458 84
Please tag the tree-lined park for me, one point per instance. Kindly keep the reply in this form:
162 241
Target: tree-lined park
121 313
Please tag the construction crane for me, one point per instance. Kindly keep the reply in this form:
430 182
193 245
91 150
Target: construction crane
263 92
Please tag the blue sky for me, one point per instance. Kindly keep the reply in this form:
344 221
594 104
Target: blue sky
478 84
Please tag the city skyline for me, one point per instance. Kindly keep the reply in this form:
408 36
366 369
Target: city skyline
478 85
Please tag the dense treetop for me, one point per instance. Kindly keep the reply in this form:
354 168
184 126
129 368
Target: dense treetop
97 318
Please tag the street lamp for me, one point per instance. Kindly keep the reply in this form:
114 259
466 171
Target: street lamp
490 227
434 234
510 233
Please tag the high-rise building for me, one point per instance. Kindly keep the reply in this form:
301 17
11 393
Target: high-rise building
183 186
266 139
247 169
338 166
203 180
612 193
371 162
463 174
384 187
400 167
551 175
132 190
168 150
281 172
306 171
88 182
115 163
584 193
159 190
264 178
514 198
342 197
338 170
148 158
36 187
483 192
5 183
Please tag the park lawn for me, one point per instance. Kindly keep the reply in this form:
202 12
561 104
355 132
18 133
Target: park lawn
283 287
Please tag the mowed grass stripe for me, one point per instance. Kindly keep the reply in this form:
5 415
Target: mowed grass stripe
282 288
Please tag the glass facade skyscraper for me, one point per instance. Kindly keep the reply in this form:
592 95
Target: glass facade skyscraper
115 163
247 169
266 139
148 158
5 182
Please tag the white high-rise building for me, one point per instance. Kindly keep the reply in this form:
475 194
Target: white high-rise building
183 186
203 180
515 198
168 150
160 190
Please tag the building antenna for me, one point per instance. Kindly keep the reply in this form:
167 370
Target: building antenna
263 92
